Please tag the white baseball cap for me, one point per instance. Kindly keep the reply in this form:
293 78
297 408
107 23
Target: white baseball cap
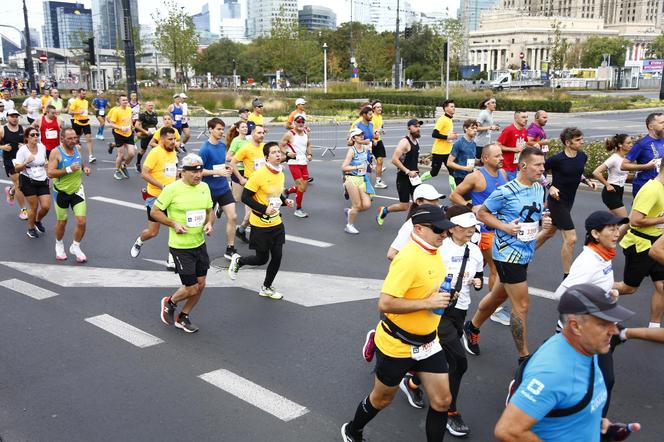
183 95
427 192
467 219
356 131
300 101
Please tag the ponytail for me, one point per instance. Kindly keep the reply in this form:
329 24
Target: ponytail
614 142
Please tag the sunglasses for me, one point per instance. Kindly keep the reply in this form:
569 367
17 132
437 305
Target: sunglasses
434 229
34 134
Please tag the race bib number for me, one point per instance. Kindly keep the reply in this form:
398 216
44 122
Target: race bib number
516 158
424 351
178 117
301 158
195 218
362 170
102 112
170 169
37 171
415 180
545 148
274 202
51 134
84 113
528 231
258 163
152 130
658 162
470 162
219 167
81 192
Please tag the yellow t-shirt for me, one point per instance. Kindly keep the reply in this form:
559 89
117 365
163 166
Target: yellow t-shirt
415 273
157 134
80 105
44 101
255 118
377 121
650 202
444 125
163 167
252 157
120 117
266 184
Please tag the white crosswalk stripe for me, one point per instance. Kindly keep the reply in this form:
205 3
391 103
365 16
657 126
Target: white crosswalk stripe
31 290
124 331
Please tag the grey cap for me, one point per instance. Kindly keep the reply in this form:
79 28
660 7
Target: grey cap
589 299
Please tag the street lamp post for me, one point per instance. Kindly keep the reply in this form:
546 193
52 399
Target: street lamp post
397 60
325 67
29 66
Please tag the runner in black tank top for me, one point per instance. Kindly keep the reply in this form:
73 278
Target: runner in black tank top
405 158
11 135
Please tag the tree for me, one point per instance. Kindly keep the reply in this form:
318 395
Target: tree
451 29
176 37
595 46
558 48
656 48
217 58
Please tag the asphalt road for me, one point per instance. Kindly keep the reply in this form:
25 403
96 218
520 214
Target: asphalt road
66 379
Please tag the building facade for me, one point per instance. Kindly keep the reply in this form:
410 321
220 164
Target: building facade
314 18
66 24
384 14
108 21
470 11
261 14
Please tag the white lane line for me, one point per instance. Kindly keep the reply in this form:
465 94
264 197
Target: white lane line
293 238
27 289
6 181
103 199
254 394
309 242
124 331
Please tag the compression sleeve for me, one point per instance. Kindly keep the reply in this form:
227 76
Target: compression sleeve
247 198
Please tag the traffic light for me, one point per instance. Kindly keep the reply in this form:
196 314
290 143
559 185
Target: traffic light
407 32
89 49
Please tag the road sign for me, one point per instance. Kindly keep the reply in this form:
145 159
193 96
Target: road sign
43 57
521 55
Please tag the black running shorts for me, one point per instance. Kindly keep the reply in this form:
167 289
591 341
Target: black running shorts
561 214
224 199
379 149
404 188
121 140
613 200
391 370
638 265
511 273
81 129
31 187
264 238
191 264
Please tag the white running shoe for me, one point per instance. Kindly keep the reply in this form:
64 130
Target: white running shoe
380 184
75 250
60 254
351 229
300 213
136 248
234 266
270 292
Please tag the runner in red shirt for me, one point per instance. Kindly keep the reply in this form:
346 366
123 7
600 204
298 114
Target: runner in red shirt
49 129
512 141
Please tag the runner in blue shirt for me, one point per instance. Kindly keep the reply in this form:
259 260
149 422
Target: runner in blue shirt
647 153
563 402
100 104
215 174
461 161
514 211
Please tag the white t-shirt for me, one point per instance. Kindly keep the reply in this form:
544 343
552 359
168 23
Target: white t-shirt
9 104
485 118
3 118
403 236
34 106
36 169
185 112
588 267
453 257
616 176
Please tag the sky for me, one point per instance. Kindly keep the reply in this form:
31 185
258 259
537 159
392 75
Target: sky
11 12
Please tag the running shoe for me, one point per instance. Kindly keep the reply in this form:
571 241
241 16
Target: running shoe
32 233
185 324
138 167
369 347
451 182
136 248
310 180
118 175
351 229
300 213
218 211
111 146
23 214
183 148
230 251
60 254
471 338
124 171
234 266
92 159
167 310
9 192
270 292
455 424
380 184
347 437
415 397
242 234
40 226
501 316
75 250
426 176
382 213
170 263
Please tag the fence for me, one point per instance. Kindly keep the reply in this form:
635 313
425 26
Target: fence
328 135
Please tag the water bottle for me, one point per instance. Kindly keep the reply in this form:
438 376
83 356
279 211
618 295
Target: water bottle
446 286
618 432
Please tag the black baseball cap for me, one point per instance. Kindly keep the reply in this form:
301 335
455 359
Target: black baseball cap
589 299
601 218
431 214
413 122
242 110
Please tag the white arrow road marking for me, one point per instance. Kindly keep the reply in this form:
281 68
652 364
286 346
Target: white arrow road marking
254 394
122 330
293 238
33 291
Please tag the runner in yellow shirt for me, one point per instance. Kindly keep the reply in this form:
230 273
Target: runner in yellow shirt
79 108
444 135
120 119
256 115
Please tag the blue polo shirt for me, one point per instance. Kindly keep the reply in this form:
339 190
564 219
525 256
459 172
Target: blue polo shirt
214 154
462 151
557 377
367 129
643 152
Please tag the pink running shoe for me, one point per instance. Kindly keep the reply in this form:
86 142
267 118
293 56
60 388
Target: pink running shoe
369 348
10 195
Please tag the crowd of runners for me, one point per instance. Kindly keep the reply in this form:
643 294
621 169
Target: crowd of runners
502 209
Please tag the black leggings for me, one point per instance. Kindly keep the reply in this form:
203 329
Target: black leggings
261 257
437 160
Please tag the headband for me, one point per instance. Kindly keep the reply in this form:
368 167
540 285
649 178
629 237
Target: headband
193 168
